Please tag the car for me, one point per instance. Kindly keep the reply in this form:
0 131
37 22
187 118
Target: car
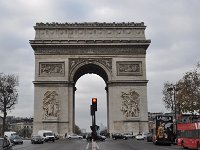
99 138
16 139
144 135
139 137
5 144
56 137
74 136
37 139
118 136
129 135
47 135
149 137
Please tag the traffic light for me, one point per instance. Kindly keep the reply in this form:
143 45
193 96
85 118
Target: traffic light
94 104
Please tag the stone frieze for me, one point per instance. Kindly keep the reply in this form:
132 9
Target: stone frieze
97 34
69 31
51 69
129 68
94 50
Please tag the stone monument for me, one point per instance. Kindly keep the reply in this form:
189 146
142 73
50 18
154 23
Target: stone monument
66 51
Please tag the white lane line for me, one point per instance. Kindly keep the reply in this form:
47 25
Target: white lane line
87 146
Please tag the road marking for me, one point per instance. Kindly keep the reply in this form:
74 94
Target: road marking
97 146
87 146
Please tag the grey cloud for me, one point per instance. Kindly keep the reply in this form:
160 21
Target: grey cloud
72 11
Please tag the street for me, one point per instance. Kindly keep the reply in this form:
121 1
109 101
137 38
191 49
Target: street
109 144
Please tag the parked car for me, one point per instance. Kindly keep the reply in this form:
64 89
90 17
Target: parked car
74 136
5 144
16 139
8 134
99 137
149 137
47 135
144 135
129 135
37 139
139 137
119 136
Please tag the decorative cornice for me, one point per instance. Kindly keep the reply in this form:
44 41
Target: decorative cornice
127 83
53 84
89 42
89 24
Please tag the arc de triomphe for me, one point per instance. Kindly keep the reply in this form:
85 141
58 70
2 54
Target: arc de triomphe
66 51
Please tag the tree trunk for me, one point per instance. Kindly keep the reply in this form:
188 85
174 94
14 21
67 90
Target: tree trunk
4 122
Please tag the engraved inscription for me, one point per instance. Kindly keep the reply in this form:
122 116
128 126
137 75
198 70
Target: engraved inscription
130 103
129 68
51 69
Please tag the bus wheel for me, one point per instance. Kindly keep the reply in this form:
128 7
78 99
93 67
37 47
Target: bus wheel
182 143
198 146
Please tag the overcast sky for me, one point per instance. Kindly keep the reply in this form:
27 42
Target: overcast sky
172 25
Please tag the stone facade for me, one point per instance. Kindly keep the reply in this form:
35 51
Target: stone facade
115 51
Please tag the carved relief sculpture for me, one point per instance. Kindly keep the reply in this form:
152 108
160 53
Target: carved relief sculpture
129 68
50 105
130 104
51 69
107 62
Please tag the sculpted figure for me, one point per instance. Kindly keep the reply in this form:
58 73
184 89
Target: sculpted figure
130 104
50 105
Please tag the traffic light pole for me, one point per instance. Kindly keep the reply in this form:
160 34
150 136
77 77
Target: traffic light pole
94 132
93 108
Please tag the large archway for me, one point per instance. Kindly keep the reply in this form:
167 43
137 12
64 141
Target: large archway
115 51
89 68
88 86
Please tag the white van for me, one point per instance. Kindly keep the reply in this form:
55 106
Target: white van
8 134
47 135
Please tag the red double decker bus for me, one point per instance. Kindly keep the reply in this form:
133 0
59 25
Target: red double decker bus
189 134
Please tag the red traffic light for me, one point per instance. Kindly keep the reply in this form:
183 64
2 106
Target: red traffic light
94 100
94 104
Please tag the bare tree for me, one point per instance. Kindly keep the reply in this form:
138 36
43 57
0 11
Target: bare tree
189 95
77 130
8 95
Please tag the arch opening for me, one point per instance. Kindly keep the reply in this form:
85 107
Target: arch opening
89 69
86 89
88 80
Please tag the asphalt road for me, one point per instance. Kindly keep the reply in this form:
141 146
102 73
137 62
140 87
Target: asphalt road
109 144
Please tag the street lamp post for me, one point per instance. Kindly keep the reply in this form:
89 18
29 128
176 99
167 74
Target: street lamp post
174 89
